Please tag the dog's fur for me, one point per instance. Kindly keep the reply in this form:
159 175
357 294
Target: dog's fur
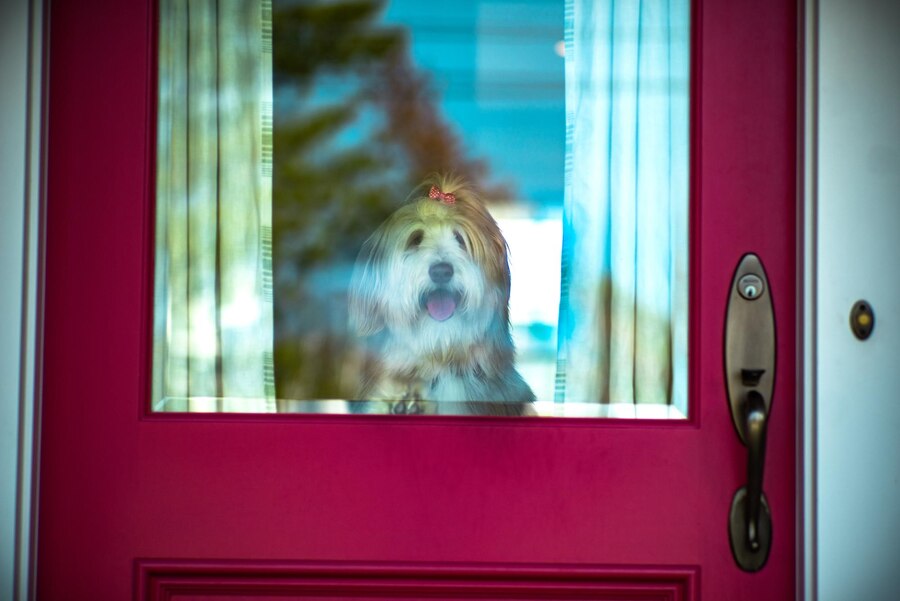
400 297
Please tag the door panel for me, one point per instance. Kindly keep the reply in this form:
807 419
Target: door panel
129 499
323 580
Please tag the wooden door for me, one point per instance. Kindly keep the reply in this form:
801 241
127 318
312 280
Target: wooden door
318 506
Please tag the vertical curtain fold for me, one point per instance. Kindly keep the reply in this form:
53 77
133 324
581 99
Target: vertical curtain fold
623 313
213 276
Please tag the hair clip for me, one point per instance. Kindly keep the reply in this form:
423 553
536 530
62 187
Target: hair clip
445 198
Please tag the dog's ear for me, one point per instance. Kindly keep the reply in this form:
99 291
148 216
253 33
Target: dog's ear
366 316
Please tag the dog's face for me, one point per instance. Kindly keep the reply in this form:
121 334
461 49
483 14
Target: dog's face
434 274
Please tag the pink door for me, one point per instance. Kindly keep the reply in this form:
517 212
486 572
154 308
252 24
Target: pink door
316 507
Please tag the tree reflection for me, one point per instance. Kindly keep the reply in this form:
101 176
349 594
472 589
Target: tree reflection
357 126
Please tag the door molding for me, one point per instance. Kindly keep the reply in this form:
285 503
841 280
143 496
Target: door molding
806 337
21 184
159 579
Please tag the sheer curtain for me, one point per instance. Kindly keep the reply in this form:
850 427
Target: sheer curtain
623 310
213 288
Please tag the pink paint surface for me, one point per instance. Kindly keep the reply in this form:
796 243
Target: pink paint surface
118 485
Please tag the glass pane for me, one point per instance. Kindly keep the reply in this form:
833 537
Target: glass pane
473 207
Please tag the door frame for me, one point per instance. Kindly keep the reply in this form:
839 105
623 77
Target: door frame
27 193
807 57
21 307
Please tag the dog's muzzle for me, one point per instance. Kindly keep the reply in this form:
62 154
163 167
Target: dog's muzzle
441 303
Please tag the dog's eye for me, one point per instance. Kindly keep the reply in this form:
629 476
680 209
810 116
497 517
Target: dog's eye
460 240
415 239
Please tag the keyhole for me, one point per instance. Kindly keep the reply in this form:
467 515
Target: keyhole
750 286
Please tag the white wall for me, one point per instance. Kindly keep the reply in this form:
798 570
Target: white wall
857 384
18 254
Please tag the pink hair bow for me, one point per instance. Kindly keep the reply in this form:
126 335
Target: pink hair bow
445 198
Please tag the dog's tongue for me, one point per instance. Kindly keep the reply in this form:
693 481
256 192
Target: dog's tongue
440 304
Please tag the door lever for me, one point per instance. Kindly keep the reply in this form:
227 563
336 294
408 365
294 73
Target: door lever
755 419
750 523
749 376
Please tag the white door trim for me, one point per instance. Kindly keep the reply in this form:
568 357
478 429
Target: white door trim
21 243
851 175
806 499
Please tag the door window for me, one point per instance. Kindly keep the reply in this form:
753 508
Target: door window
475 207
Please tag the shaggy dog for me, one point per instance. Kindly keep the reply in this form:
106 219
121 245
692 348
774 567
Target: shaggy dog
430 293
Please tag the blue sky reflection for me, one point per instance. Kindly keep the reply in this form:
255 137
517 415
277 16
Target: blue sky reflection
500 81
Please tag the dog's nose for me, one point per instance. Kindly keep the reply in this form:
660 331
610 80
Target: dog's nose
441 272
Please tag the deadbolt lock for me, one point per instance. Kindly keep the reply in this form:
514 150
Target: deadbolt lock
750 378
751 286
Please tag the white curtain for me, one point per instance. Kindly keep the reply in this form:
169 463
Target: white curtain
623 312
213 272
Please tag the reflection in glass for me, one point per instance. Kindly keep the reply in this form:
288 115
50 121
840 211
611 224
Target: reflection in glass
213 278
624 310
569 119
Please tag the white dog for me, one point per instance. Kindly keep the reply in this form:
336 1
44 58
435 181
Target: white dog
430 291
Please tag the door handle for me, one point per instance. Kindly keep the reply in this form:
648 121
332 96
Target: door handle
749 376
755 418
